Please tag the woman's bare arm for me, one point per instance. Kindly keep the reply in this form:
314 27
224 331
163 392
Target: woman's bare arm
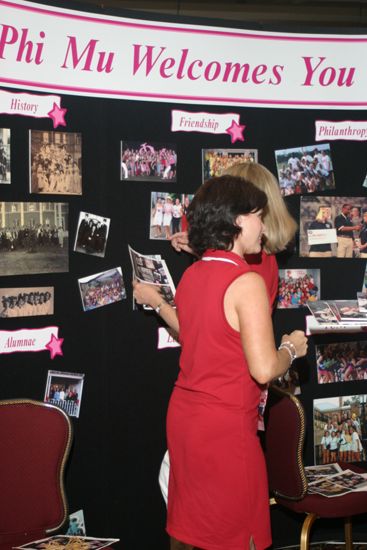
247 309
149 295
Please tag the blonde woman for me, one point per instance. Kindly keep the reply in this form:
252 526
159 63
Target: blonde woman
322 221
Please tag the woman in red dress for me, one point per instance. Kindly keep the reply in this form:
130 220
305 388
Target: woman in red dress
217 487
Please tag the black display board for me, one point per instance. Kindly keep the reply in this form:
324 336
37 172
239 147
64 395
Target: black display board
120 434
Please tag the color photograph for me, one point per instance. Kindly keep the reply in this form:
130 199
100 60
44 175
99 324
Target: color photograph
307 169
5 175
102 289
333 227
297 287
64 390
216 161
92 234
34 238
341 362
55 160
148 161
340 429
26 302
168 214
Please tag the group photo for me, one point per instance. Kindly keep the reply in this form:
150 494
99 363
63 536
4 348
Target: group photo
168 214
340 429
341 362
217 161
55 162
148 161
306 169
5 176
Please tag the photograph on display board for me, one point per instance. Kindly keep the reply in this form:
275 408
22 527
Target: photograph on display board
341 362
55 162
333 227
92 233
26 301
148 161
340 429
168 214
297 287
102 289
5 176
216 161
306 169
64 389
34 237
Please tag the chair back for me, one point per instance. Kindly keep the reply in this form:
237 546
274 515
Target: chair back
35 440
283 445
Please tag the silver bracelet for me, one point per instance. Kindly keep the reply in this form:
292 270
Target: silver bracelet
158 308
291 349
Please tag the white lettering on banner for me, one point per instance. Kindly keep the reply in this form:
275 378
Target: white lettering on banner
354 130
90 54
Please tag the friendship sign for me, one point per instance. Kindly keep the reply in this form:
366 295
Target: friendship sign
55 49
40 339
208 123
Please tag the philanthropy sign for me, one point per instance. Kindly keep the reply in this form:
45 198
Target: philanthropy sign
54 49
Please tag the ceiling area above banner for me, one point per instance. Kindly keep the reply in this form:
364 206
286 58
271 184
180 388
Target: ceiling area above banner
330 13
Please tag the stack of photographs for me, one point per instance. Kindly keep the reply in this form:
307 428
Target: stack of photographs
153 270
346 315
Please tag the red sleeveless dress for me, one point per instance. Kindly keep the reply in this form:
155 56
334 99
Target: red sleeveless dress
218 494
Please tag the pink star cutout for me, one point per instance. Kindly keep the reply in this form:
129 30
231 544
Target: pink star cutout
236 131
54 346
57 114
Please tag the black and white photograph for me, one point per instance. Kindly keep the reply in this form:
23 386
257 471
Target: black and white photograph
168 214
297 287
153 270
307 169
64 390
323 312
34 238
5 167
148 161
55 162
26 301
340 429
216 161
333 227
92 234
102 289
341 362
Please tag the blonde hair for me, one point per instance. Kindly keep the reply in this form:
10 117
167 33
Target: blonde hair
324 212
280 227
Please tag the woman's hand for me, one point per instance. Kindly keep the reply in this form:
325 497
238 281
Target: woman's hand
299 341
180 241
146 294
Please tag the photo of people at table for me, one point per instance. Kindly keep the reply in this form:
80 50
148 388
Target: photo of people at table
168 214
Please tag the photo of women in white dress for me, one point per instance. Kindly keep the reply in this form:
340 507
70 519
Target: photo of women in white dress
168 214
55 160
